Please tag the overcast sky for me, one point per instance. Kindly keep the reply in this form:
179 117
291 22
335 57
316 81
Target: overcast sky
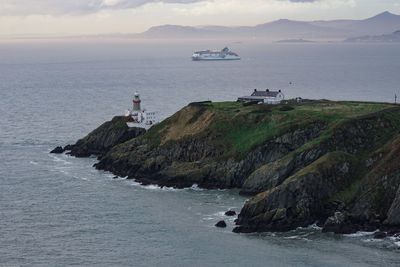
76 17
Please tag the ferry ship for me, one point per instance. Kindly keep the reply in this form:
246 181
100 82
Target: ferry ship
224 54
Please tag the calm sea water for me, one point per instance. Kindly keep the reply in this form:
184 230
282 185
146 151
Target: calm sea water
56 210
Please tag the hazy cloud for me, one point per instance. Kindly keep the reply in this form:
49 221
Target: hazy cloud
77 7
302 1
53 7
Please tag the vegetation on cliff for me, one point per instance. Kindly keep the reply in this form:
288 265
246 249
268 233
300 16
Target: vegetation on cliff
102 139
307 162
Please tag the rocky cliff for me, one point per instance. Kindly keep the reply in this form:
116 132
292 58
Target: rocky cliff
335 163
102 139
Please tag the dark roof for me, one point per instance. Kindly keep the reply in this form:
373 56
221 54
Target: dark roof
266 93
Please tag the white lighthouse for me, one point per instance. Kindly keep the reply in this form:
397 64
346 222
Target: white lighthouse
136 102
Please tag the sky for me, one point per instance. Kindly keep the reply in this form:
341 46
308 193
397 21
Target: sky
87 17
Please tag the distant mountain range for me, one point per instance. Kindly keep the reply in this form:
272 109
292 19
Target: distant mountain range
386 38
301 41
284 29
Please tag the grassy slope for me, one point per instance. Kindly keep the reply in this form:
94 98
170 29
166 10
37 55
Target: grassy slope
238 128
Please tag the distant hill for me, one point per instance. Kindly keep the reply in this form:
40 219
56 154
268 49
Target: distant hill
384 38
295 41
176 31
284 29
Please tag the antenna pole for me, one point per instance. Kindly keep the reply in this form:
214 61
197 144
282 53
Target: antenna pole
395 99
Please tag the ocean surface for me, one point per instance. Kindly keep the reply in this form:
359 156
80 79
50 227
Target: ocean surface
56 210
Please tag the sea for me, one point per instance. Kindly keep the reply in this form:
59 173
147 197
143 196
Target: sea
56 210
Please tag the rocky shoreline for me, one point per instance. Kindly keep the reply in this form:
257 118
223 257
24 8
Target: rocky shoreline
334 163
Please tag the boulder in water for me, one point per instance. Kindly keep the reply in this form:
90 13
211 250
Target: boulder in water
230 213
57 150
380 235
221 224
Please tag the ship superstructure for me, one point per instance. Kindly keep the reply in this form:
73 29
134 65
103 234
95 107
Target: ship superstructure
224 54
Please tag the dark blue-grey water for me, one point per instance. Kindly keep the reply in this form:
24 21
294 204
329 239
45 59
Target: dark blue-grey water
57 211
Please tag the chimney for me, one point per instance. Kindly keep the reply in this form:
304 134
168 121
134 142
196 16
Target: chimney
255 90
279 91
267 90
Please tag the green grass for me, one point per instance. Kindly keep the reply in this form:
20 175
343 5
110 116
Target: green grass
120 124
238 128
349 193
256 124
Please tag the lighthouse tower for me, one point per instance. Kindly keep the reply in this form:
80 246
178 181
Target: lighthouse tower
136 102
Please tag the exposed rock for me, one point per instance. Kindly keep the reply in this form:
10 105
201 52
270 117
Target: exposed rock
380 235
378 196
57 150
299 201
339 224
102 139
393 217
221 224
230 213
337 219
193 160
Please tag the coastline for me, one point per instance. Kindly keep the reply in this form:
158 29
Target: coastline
320 154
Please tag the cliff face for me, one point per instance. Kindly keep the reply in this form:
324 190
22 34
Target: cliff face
102 139
304 163
349 173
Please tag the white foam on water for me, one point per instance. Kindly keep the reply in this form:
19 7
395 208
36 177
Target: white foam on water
216 216
117 178
113 177
372 240
207 218
298 237
80 178
397 243
63 171
313 226
195 187
360 234
152 187
33 162
292 237
58 159
394 239
219 214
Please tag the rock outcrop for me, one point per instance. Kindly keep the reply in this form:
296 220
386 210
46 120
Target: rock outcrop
58 150
230 213
299 200
105 137
220 224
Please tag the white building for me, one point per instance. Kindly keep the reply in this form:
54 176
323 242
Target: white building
150 117
137 117
265 97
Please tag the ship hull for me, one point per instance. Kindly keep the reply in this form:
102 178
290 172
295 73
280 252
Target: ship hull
214 58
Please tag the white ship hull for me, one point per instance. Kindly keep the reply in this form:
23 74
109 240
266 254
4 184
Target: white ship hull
208 55
205 57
